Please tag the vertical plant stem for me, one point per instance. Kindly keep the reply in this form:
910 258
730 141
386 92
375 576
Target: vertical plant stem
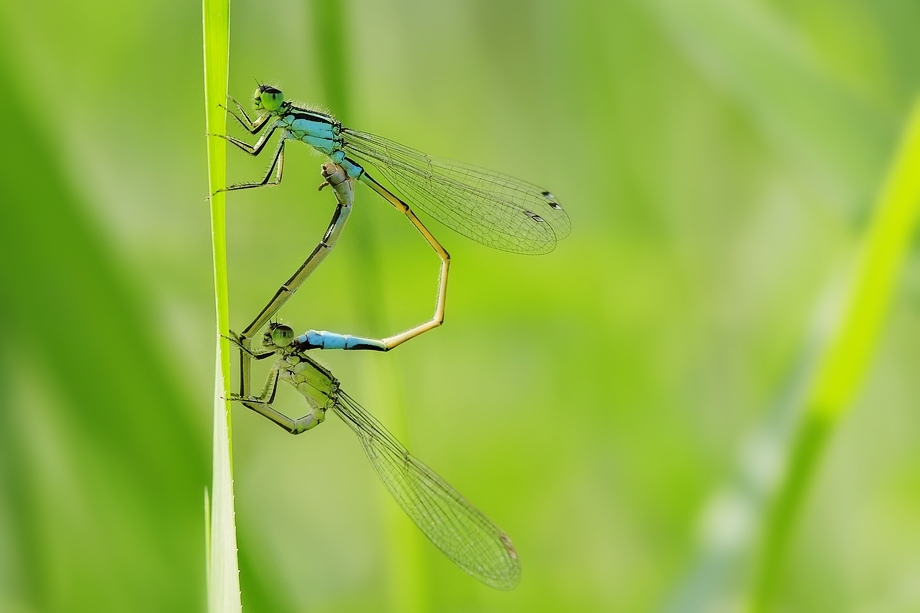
843 366
222 564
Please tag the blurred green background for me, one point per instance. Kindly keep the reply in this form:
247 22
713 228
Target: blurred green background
621 407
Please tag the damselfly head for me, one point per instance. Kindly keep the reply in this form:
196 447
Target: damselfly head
267 98
278 335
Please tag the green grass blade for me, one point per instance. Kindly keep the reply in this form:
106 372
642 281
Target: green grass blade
843 365
749 521
222 564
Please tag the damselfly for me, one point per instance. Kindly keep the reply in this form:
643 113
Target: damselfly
462 532
495 210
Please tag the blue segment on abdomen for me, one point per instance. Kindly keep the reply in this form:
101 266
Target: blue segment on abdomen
321 339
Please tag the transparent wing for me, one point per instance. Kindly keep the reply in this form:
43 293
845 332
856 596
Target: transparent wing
455 526
495 210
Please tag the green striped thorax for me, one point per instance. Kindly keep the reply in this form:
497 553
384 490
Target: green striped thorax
312 380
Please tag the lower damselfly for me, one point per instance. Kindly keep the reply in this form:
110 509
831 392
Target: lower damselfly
462 532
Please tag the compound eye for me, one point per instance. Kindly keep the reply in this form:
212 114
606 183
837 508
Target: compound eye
282 335
271 99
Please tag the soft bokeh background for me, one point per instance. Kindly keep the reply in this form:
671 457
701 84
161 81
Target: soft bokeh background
619 406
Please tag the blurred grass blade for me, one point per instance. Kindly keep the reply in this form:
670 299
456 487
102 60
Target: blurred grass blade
749 523
222 564
843 365
733 516
327 21
104 470
833 136
403 542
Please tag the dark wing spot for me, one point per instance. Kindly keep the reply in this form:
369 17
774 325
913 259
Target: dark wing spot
533 216
551 200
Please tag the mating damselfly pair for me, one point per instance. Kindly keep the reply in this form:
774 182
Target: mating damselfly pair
495 210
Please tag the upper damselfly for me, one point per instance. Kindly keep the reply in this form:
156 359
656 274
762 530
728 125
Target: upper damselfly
493 209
